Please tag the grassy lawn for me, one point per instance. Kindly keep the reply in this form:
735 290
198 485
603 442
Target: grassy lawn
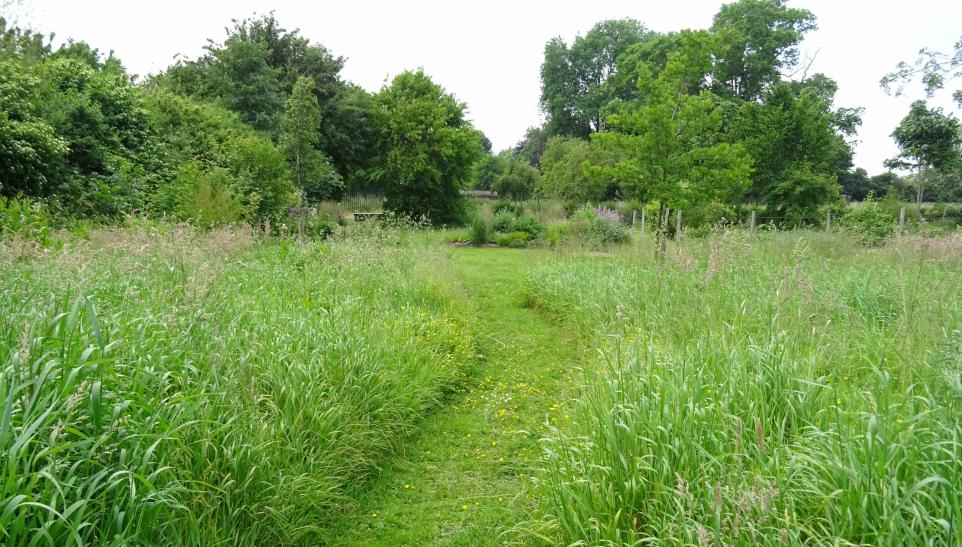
464 479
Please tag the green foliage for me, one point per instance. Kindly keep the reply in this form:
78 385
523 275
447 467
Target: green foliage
573 93
319 228
740 60
516 240
72 128
512 207
518 181
502 221
241 76
487 170
668 147
714 416
256 69
480 232
870 223
857 185
30 148
929 142
797 150
189 131
203 196
927 139
563 164
933 69
427 149
588 226
530 226
21 43
313 173
261 176
24 218
532 146
757 40
292 375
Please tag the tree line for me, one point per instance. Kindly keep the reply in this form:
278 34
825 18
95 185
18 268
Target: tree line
708 120
262 120
705 120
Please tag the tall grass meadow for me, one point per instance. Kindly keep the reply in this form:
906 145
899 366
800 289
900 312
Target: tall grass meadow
164 386
787 389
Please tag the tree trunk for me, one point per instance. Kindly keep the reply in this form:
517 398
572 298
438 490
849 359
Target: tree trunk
920 189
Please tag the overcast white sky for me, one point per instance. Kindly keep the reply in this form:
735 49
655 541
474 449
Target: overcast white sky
489 53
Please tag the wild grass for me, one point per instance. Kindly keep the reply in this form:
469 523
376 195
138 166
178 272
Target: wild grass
787 389
162 386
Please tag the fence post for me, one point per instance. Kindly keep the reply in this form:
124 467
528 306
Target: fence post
902 221
643 211
678 225
634 217
751 223
828 221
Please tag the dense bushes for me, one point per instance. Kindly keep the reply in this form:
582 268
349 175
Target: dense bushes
243 123
75 132
869 222
24 218
202 141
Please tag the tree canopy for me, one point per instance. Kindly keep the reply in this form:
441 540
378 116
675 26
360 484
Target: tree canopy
928 141
427 148
668 146
732 81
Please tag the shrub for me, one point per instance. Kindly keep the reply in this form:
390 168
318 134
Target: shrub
502 221
557 233
510 207
869 223
319 228
26 218
530 226
606 230
598 226
480 233
513 239
200 195
610 214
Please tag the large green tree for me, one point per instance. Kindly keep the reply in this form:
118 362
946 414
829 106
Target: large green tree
255 69
427 148
929 142
798 144
488 169
518 182
565 178
756 40
669 146
573 90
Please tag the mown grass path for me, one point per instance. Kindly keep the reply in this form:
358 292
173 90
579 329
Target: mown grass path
466 477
